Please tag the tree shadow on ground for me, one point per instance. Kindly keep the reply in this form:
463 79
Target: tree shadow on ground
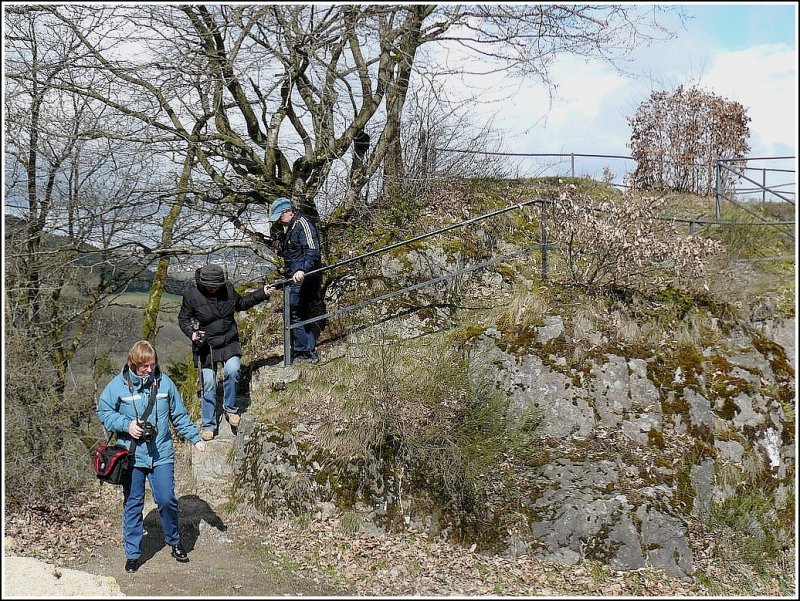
192 511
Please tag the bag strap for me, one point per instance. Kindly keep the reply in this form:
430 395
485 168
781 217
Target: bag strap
153 393
147 409
151 402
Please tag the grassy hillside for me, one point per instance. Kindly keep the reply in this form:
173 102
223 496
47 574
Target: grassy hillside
117 326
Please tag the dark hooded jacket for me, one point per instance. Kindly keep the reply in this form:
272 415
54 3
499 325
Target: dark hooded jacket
215 314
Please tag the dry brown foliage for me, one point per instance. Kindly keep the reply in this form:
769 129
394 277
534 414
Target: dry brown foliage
623 244
677 137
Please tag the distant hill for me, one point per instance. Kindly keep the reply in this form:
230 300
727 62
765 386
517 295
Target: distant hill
241 264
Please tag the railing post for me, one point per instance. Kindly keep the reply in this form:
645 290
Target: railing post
764 185
572 164
691 227
287 332
544 239
718 169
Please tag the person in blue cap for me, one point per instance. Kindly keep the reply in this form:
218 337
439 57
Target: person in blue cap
299 248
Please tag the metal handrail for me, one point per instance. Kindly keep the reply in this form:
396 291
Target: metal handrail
429 282
717 165
287 326
760 187
543 246
714 222
415 239
749 212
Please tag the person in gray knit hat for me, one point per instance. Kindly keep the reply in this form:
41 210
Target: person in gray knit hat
207 317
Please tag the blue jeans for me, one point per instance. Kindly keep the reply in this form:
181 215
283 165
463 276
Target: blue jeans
162 485
230 379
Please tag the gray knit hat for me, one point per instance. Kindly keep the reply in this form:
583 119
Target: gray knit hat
211 276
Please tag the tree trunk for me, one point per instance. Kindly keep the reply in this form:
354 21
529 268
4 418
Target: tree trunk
150 325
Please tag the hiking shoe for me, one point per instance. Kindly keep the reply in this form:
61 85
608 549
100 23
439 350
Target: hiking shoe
179 554
306 356
131 565
207 435
233 419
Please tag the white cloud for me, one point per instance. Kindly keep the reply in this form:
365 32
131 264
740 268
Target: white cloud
589 110
592 103
582 86
764 80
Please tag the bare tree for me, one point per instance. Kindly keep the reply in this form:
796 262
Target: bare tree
73 211
76 202
285 92
241 103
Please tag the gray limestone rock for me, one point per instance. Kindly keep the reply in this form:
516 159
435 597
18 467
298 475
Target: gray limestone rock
565 411
553 328
748 414
730 450
618 503
702 478
611 390
664 538
699 408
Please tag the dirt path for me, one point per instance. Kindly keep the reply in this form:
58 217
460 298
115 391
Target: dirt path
222 563
234 556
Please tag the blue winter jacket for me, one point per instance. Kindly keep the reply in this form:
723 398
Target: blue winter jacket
118 407
301 246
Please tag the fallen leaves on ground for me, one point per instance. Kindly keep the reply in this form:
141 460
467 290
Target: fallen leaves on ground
413 563
60 530
364 564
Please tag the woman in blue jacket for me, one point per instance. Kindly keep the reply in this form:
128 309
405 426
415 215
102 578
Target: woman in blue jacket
121 409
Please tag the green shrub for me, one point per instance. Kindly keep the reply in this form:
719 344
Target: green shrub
753 530
423 409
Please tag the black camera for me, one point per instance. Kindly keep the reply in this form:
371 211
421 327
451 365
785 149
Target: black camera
201 336
148 431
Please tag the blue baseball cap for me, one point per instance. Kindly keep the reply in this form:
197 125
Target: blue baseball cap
278 206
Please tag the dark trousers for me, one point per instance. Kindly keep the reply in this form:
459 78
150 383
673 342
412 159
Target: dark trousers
302 303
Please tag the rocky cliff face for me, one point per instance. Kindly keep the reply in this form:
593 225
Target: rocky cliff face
641 444
634 451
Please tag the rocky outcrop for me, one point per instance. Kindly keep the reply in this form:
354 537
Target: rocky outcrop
641 434
637 439
587 506
31 578
638 443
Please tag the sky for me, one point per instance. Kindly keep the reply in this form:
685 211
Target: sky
745 52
